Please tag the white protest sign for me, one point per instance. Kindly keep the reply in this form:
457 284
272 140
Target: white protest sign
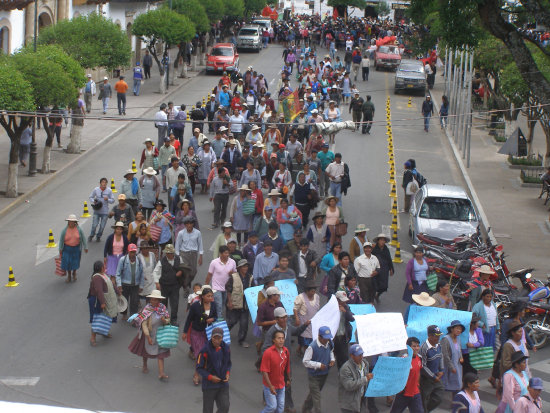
328 316
381 333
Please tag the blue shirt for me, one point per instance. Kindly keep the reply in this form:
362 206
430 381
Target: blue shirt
138 72
224 99
263 266
98 194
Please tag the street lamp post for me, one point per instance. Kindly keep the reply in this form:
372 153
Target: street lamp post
33 146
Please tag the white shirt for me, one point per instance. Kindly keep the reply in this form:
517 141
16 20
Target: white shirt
336 171
303 266
491 313
157 272
161 118
310 364
365 266
236 123
172 175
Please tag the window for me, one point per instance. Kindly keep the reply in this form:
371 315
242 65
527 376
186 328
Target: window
248 32
448 209
222 51
5 40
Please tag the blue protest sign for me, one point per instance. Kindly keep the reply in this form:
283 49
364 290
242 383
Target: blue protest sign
359 309
288 294
421 317
223 326
389 376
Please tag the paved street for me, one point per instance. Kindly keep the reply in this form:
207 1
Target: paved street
46 333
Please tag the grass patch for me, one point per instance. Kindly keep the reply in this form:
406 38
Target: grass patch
499 138
527 161
530 179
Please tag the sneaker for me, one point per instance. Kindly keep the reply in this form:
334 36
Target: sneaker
90 238
244 344
98 239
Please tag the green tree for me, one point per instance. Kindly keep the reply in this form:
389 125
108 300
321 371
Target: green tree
16 95
382 9
254 6
234 8
55 78
166 26
214 9
342 5
92 40
194 10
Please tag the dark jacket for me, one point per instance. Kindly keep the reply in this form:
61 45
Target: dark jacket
214 363
291 330
311 256
196 317
335 275
348 317
231 166
209 112
108 249
407 177
427 107
248 254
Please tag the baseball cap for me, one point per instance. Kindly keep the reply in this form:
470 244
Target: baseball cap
279 312
535 383
132 247
356 350
434 330
272 291
341 295
217 332
324 332
325 145
122 196
282 146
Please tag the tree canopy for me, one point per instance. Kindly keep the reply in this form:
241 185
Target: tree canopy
254 6
16 93
234 8
194 10
92 40
163 25
214 9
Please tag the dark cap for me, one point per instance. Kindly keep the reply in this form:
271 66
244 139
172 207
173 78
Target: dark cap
217 332
434 330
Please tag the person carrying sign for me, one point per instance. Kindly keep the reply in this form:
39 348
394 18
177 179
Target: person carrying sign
318 359
353 379
410 396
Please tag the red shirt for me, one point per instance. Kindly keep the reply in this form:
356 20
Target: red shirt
411 389
276 364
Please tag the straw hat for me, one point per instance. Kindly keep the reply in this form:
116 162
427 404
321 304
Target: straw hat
128 172
180 203
255 127
169 249
244 187
423 299
148 140
329 198
121 303
149 171
118 224
361 228
485 269
381 235
155 294
274 192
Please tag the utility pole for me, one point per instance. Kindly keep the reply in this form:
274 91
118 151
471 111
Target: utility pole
33 146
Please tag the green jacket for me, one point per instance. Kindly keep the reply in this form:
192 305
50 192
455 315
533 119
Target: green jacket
368 107
83 241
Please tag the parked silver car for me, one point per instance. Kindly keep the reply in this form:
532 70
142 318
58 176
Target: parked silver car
443 211
410 75
250 37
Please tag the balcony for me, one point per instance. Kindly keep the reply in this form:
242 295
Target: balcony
6 5
82 2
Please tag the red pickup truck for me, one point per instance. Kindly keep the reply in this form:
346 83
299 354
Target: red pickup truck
387 56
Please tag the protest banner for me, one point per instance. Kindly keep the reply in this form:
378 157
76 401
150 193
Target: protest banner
288 294
359 309
421 317
390 375
381 333
328 315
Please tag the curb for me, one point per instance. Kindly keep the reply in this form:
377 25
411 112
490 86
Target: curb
20 199
471 190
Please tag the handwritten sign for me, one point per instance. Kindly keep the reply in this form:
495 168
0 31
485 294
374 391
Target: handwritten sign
381 333
390 375
328 315
359 309
223 326
288 294
421 317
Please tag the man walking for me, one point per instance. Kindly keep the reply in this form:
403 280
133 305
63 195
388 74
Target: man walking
147 63
129 278
161 123
214 366
410 396
353 379
431 388
335 172
121 88
219 195
275 370
138 75
326 157
100 198
237 309
318 359
211 109
305 265
89 91
427 112
167 275
368 115
355 108
190 250
367 267
105 93
356 59
130 188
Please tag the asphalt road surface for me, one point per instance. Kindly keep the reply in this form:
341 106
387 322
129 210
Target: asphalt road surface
45 331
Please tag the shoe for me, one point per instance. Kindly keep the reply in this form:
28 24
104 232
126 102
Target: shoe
124 113
104 112
59 146
98 239
90 238
244 344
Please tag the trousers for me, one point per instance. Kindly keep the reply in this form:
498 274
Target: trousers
88 101
219 395
121 103
98 220
400 403
220 208
238 317
131 293
432 393
313 399
366 288
172 294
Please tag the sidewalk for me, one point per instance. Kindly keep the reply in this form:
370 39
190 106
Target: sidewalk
95 133
518 219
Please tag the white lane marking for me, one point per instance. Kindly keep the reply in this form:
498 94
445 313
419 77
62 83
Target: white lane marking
19 381
44 254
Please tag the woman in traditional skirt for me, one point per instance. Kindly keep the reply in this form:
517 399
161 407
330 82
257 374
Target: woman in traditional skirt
71 243
145 343
115 247
101 297
201 314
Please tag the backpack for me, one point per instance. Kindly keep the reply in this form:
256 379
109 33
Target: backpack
419 178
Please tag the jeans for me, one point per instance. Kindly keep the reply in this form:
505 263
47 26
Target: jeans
131 293
121 103
88 101
172 294
220 208
101 220
367 119
220 298
137 86
274 403
365 73
238 317
178 133
324 184
162 133
105 104
336 190
348 67
163 169
443 120
400 403
313 400
220 396
427 117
